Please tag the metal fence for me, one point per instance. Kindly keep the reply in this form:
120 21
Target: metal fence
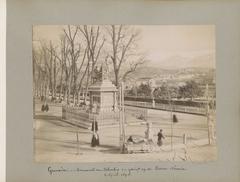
84 118
168 107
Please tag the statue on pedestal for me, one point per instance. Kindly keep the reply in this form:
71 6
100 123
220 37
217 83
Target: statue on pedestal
104 70
100 74
96 75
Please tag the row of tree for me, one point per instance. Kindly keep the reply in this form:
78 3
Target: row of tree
190 90
69 66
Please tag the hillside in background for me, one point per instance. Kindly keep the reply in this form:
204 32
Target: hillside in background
200 75
179 62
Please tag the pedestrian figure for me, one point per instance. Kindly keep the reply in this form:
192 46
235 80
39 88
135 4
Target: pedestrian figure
95 140
160 137
130 139
175 120
43 108
46 107
148 132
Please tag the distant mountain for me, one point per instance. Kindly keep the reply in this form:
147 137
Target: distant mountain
149 71
179 62
155 72
205 61
175 62
158 73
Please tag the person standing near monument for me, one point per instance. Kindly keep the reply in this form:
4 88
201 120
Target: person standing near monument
95 138
45 107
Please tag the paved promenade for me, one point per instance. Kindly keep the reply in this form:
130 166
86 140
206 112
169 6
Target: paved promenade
56 141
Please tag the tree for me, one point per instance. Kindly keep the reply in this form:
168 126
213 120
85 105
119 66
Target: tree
164 91
74 54
144 89
156 92
80 85
37 71
43 62
123 40
73 61
65 65
62 59
94 43
52 69
190 90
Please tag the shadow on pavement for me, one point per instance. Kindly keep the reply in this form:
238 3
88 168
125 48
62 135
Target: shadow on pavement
56 120
47 117
83 146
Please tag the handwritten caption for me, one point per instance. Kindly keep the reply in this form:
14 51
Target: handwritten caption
114 171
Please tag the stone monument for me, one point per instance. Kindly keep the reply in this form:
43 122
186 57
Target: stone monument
103 107
103 99
103 94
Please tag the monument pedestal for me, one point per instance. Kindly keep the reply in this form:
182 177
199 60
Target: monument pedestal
103 102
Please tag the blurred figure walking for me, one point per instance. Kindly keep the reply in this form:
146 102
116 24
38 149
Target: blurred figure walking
160 137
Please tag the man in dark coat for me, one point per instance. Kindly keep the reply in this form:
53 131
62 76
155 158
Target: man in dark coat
175 120
160 137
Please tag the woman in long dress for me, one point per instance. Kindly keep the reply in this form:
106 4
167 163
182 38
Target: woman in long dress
95 140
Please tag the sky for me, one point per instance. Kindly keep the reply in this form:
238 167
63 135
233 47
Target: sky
165 45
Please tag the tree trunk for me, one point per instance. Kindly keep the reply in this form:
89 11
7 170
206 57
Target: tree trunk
86 88
77 98
69 94
69 90
66 89
61 84
116 78
54 78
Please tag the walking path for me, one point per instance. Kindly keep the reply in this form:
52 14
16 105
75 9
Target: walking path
55 141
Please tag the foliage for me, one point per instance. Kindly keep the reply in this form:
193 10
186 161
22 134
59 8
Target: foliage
144 90
190 90
165 92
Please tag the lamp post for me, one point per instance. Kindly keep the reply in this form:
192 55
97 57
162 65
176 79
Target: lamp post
171 115
120 123
207 115
123 114
152 85
121 117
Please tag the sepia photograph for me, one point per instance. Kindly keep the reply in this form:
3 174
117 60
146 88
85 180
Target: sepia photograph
124 93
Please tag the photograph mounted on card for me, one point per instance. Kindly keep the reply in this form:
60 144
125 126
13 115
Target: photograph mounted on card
124 93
